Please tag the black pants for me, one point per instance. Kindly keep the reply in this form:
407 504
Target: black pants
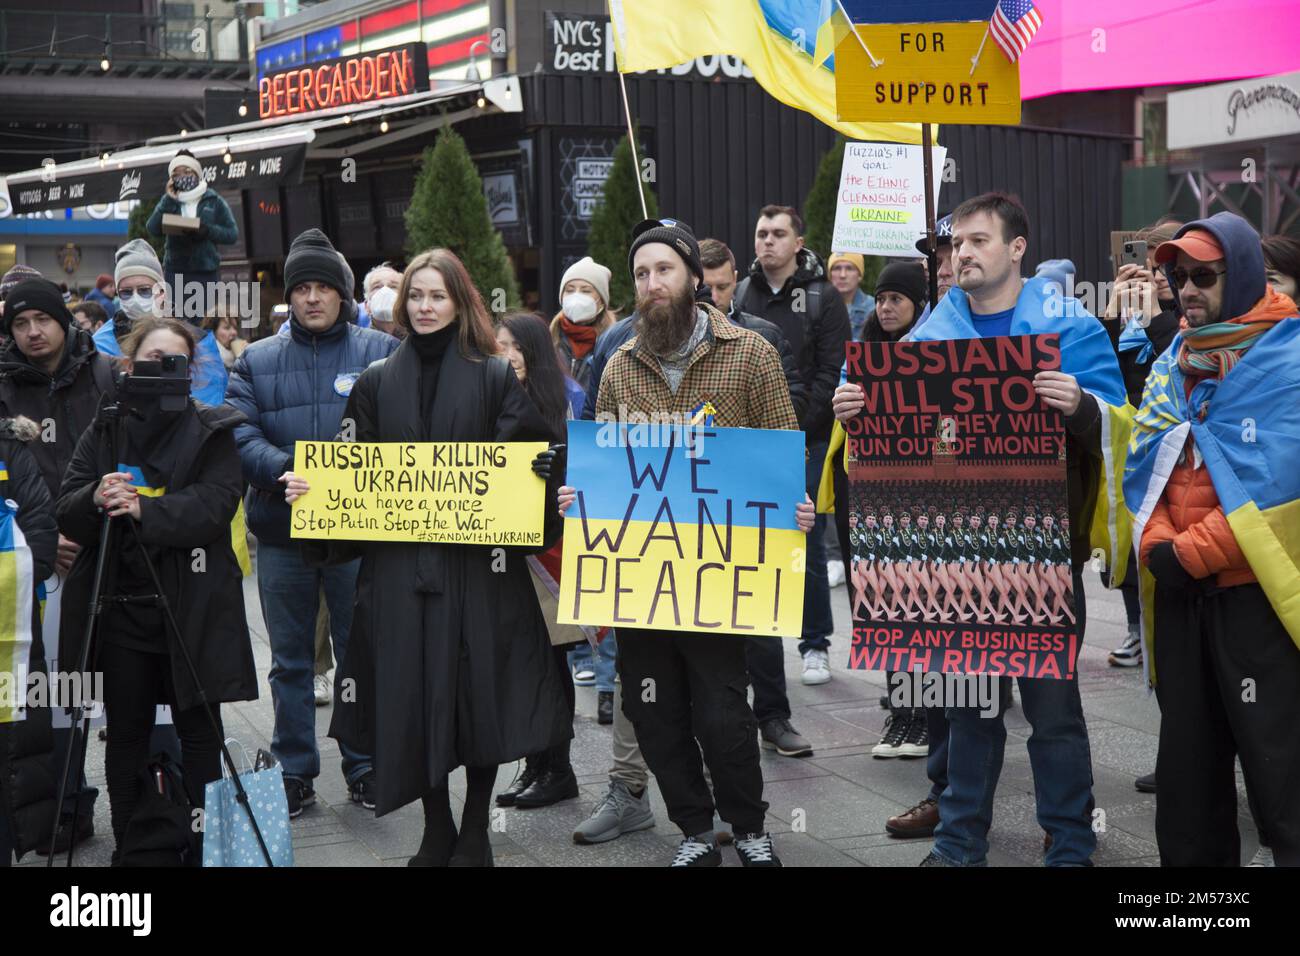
134 683
682 688
765 658
1228 679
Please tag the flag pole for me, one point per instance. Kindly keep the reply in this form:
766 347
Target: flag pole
631 141
927 173
975 60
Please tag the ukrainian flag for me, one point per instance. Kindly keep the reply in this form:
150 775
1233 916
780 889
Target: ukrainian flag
786 43
666 538
17 588
1247 439
238 527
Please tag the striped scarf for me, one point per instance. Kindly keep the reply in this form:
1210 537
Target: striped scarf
1214 350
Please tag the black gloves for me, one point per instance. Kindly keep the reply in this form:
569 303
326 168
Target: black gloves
547 460
1168 570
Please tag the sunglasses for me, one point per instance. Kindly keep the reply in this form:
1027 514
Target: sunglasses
1201 278
145 292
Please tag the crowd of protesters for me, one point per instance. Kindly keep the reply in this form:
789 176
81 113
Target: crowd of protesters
458 662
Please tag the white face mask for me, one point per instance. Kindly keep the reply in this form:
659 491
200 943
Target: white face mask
381 304
579 307
138 306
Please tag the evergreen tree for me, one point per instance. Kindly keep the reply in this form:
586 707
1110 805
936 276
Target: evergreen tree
136 226
819 212
448 210
618 210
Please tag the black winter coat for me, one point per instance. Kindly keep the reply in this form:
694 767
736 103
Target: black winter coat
27 782
207 599
451 657
68 400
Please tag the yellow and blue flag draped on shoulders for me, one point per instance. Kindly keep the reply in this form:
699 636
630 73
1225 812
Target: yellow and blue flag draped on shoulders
238 527
785 43
1247 432
1086 353
17 590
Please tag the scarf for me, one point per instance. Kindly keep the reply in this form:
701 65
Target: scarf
582 337
189 199
1212 351
674 364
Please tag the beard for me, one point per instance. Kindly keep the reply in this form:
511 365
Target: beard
664 327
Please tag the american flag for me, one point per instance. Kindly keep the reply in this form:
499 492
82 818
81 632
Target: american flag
1013 25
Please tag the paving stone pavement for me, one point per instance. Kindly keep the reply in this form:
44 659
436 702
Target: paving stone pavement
837 800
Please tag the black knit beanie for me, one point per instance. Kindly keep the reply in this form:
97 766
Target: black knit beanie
672 232
36 294
907 279
313 258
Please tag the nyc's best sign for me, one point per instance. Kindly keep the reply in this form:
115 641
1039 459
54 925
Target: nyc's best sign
924 75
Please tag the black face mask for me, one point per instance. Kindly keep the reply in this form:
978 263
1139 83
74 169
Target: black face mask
184 182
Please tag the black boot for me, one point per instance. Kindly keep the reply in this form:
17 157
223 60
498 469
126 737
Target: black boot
605 707
556 784
534 768
439 830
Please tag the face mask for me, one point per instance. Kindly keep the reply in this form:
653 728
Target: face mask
184 182
381 304
138 306
580 307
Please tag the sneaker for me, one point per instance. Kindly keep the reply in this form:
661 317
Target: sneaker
916 742
323 689
584 676
695 852
816 666
1128 654
1145 784
1263 857
605 707
755 849
363 790
891 739
779 734
934 859
618 812
835 573
299 793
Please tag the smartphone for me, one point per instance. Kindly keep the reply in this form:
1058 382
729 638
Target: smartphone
1135 253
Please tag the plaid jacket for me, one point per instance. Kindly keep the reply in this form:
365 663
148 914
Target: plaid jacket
733 369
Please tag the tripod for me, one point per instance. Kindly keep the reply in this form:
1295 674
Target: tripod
109 424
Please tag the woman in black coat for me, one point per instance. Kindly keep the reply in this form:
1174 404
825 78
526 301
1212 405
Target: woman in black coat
176 475
27 789
449 654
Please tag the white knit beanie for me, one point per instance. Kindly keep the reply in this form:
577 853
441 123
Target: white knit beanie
589 270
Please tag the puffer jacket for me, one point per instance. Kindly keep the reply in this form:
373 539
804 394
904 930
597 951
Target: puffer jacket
294 388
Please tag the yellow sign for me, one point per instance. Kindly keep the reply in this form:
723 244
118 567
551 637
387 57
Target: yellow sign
924 75
445 492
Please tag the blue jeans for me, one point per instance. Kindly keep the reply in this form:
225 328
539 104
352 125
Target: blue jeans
818 623
290 595
1058 753
601 661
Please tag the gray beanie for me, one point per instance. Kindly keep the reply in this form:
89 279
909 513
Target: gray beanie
137 258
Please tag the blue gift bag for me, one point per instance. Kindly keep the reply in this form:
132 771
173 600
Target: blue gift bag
228 837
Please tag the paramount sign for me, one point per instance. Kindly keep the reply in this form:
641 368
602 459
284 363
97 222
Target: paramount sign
1243 110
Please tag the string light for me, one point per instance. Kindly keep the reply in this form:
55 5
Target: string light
105 63
243 107
383 126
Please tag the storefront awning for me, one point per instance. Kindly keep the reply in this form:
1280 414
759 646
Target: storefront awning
261 154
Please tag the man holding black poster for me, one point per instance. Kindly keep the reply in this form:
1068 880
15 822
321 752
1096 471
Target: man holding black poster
989 240
689 363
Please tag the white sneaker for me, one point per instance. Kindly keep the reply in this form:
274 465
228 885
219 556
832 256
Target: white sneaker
323 688
835 573
1263 857
1128 654
816 667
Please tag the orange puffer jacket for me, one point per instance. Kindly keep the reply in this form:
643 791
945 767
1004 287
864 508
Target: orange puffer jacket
1189 515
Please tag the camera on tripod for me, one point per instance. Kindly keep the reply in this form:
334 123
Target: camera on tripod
168 380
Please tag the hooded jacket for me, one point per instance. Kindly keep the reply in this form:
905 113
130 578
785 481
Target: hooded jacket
1189 512
27 783
815 323
293 388
63 405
